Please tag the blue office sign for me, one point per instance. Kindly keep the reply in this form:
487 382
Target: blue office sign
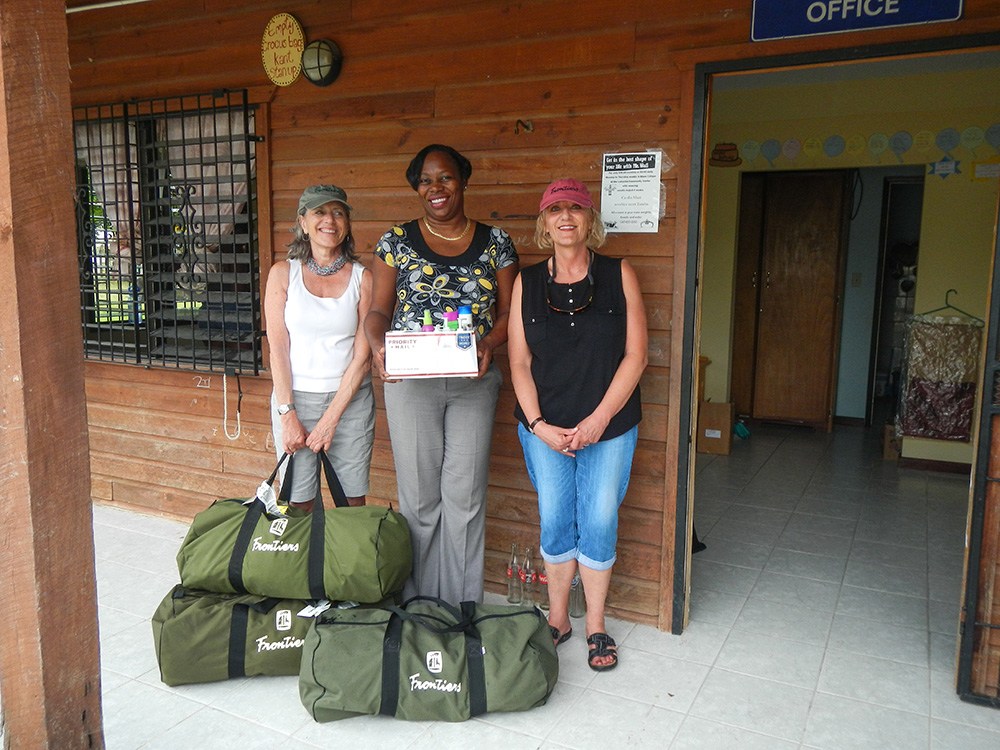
779 19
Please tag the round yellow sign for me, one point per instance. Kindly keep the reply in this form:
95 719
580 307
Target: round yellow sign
281 49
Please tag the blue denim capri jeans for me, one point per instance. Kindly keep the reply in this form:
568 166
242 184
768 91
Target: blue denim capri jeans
578 498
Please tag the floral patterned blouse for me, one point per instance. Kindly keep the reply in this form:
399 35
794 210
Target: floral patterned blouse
428 281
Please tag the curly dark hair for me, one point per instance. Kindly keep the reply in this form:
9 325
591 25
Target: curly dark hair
417 164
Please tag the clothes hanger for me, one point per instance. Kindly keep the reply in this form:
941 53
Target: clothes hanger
949 306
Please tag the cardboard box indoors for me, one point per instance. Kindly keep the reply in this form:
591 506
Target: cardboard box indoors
431 354
715 428
890 443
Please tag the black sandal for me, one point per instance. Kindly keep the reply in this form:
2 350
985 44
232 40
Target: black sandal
558 637
604 645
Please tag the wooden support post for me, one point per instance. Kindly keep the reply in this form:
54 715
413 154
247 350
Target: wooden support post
50 688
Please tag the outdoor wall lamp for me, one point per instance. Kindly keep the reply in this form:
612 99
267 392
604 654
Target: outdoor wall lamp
321 61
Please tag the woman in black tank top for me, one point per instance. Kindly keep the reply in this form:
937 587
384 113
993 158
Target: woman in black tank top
577 348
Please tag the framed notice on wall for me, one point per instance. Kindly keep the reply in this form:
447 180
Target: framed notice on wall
630 192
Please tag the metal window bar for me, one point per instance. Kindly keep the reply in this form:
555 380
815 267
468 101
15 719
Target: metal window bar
110 264
167 232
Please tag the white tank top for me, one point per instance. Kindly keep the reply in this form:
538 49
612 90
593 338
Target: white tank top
321 331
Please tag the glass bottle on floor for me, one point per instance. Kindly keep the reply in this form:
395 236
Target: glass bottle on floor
526 571
513 577
543 589
577 601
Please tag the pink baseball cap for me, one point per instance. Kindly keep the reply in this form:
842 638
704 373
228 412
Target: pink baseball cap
566 190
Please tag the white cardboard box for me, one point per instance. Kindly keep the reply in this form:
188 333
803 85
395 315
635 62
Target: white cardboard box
431 354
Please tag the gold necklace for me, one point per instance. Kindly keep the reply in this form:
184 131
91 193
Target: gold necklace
468 223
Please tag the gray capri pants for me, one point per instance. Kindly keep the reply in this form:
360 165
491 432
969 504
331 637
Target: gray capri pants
350 451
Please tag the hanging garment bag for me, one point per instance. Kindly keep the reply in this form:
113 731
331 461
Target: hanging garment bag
234 546
202 637
427 660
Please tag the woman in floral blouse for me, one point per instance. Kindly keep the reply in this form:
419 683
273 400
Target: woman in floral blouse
442 428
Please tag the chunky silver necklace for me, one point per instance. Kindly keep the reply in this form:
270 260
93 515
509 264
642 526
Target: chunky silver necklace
329 270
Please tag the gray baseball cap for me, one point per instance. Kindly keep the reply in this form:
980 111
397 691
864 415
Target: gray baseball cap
315 196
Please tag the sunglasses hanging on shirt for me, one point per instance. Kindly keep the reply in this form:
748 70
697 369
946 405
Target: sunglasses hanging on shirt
570 298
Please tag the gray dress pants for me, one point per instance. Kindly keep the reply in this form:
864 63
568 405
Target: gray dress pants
441 431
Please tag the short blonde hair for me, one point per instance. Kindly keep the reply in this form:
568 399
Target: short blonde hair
596 237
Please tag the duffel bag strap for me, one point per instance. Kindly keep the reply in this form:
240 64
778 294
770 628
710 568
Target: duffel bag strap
333 481
285 492
325 469
238 625
317 532
316 559
264 606
314 562
454 611
477 666
317 550
391 646
238 640
429 621
274 474
242 544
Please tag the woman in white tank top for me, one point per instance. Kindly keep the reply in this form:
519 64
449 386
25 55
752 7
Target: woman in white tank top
320 367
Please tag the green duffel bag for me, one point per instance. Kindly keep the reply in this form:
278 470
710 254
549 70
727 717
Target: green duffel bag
235 546
203 637
427 660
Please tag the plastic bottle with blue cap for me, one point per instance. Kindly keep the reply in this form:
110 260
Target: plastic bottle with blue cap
465 321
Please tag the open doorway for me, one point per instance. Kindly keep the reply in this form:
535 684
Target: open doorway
787 294
812 363
899 246
819 531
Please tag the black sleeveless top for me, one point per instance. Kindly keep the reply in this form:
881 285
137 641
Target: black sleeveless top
574 357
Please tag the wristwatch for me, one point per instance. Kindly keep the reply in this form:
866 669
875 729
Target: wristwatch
285 408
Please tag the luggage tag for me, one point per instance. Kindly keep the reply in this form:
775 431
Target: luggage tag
315 610
265 493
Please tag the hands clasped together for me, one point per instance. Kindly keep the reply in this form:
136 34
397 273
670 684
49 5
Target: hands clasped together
568 440
297 437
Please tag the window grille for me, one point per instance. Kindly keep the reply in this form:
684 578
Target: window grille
167 232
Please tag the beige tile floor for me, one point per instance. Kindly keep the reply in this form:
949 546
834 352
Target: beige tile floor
823 615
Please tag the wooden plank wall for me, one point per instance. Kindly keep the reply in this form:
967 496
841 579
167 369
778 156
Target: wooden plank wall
588 76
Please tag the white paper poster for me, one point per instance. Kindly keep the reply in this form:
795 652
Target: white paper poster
630 192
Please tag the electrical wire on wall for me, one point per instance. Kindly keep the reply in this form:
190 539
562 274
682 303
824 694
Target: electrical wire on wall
225 406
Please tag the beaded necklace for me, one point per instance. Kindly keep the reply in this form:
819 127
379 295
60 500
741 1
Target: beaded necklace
329 270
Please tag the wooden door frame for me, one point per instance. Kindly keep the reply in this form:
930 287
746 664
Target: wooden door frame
987 436
690 304
746 303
